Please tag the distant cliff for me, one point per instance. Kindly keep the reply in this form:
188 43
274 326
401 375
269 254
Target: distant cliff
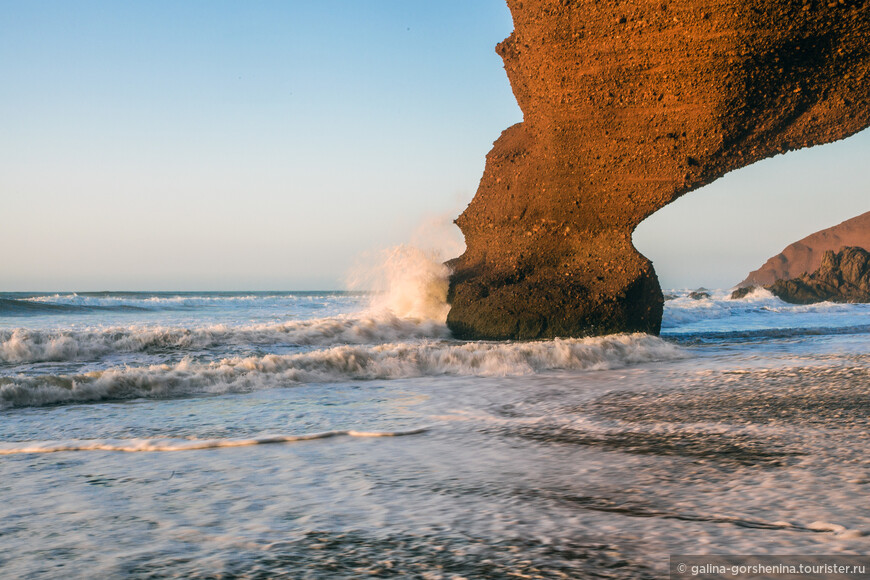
626 107
806 255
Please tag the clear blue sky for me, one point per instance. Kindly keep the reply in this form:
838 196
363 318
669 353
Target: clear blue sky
264 145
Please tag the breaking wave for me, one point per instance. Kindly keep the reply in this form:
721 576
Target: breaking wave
406 290
336 364
21 345
760 310
26 307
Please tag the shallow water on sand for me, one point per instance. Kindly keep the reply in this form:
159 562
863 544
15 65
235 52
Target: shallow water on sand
305 436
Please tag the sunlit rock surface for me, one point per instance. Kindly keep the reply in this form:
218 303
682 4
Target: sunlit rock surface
627 107
805 255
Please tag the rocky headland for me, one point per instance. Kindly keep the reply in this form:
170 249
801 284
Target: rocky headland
843 276
626 107
805 255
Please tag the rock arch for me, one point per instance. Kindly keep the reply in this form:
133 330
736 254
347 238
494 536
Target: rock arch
626 107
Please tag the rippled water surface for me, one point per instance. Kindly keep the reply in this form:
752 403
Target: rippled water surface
307 435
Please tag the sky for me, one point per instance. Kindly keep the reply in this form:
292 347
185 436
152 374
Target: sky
216 145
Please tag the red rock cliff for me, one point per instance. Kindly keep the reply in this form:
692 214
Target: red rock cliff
805 255
627 106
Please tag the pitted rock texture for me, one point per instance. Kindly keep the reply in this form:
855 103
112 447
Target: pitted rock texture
806 255
842 277
627 106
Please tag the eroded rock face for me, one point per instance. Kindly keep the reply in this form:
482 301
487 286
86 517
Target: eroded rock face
627 107
805 255
842 277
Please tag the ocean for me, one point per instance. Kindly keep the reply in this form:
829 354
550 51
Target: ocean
337 435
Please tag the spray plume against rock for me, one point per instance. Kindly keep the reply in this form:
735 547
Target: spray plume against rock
627 106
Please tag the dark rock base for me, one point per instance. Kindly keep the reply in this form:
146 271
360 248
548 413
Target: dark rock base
547 303
842 277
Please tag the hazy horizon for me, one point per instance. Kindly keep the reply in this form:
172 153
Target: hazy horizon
218 146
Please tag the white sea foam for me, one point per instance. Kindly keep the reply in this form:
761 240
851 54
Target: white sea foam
685 310
409 302
23 345
757 310
757 294
154 302
341 363
139 445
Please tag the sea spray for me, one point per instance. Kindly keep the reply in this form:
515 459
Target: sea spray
408 302
410 281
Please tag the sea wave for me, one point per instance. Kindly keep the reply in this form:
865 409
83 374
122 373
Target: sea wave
767 334
685 309
165 444
111 301
31 307
22 345
755 309
336 364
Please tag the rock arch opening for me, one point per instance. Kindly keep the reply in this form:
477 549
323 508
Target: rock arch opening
716 235
627 108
